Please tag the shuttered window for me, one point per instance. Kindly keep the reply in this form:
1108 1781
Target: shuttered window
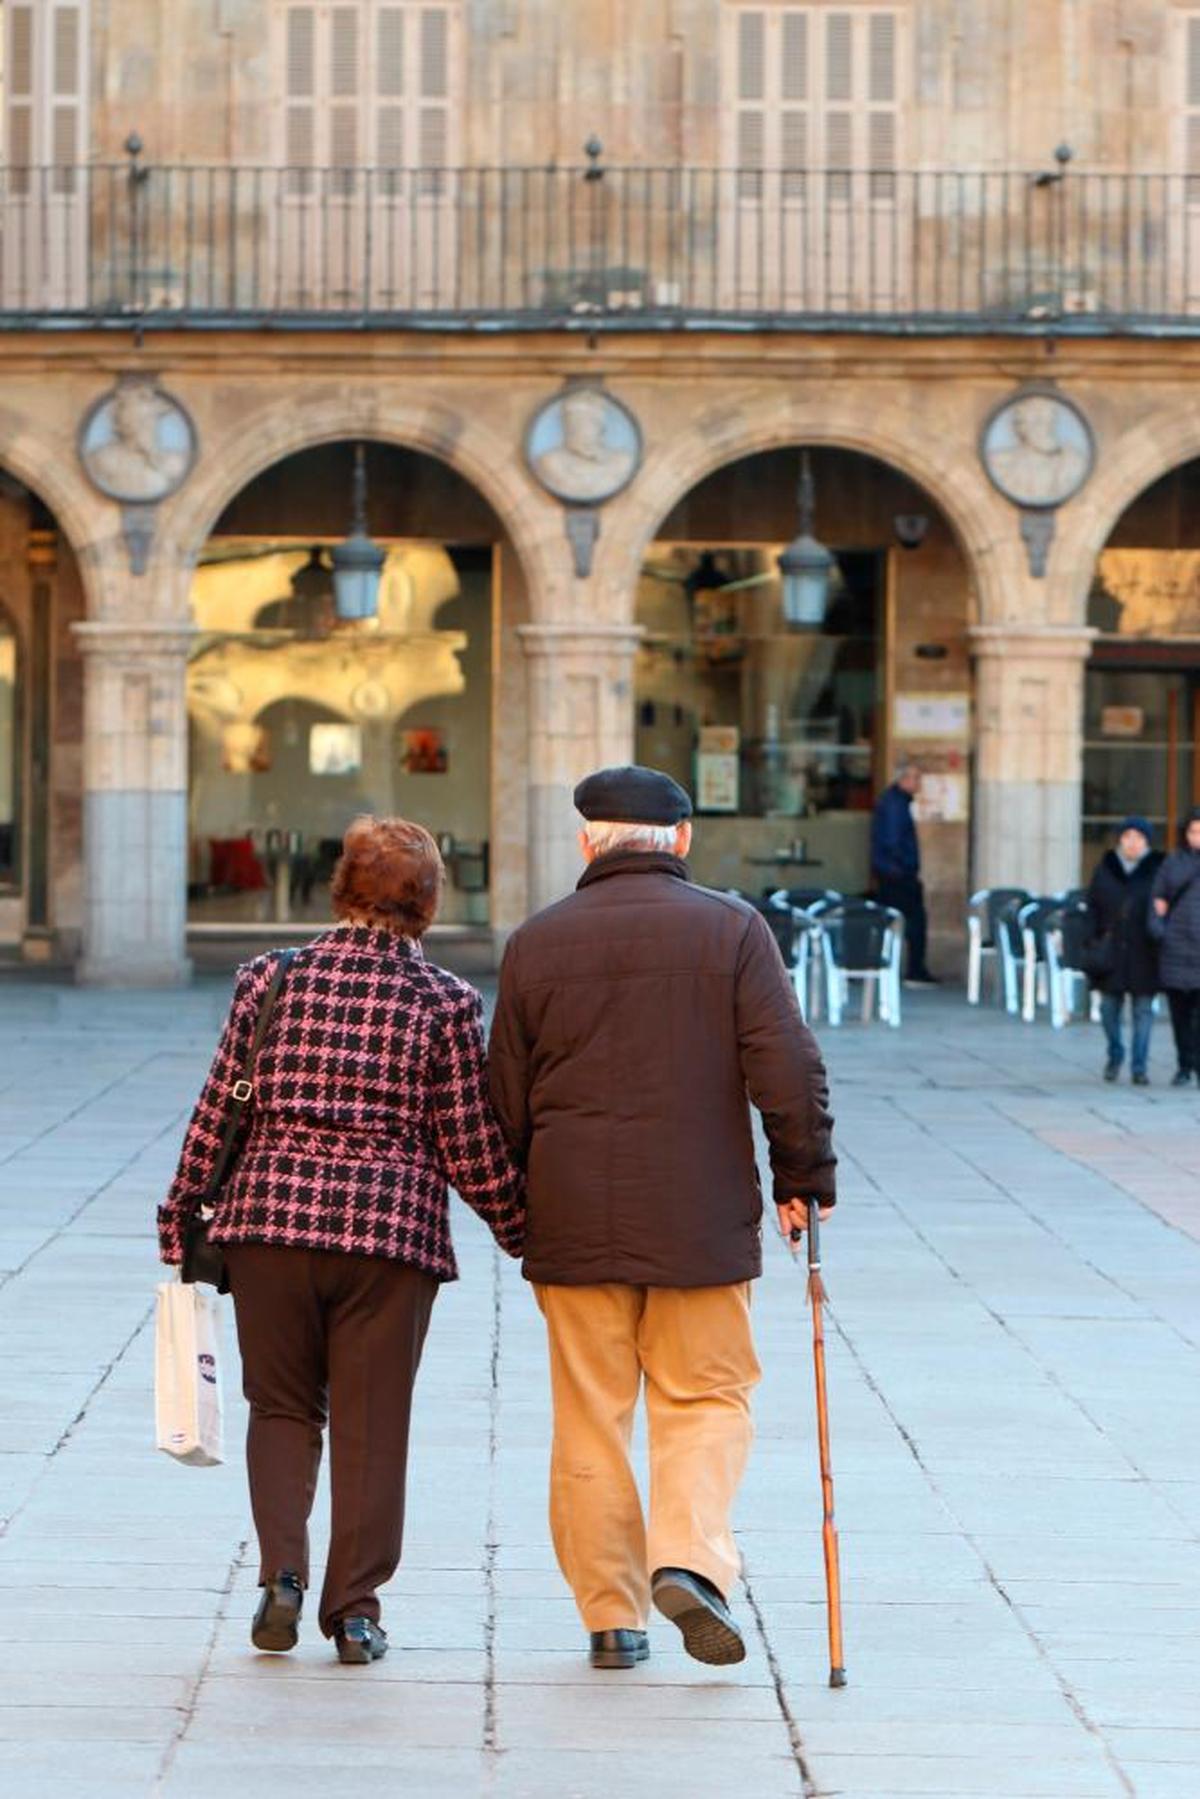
369 82
45 94
1188 105
813 88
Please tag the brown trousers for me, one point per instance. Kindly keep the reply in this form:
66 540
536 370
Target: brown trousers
337 1337
693 1348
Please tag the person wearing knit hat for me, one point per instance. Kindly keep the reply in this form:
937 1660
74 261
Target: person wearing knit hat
1121 956
1175 921
637 1022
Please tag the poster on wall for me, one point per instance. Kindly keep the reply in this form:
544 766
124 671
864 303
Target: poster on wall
932 715
942 799
334 749
717 765
423 751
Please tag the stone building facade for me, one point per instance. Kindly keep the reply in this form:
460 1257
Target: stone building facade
834 227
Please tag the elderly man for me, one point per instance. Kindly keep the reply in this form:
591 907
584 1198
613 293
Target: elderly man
635 1019
896 866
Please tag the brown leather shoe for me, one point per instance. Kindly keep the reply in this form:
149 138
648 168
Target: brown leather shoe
619 1648
359 1640
276 1622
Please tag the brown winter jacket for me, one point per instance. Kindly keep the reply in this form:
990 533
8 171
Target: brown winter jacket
636 1018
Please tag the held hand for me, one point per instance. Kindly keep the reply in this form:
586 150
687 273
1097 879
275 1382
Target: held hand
793 1219
1161 907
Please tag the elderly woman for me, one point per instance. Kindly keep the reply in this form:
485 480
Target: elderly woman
370 1094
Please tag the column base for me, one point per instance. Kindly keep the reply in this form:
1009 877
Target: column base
133 971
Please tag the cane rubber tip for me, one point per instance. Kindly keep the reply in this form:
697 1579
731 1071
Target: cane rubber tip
837 1677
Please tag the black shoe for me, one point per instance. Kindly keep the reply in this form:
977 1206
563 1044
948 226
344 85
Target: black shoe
694 1604
1182 1078
1141 1080
1111 1070
619 1648
359 1640
924 979
278 1616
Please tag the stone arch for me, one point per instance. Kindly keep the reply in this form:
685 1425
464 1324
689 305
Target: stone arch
81 515
231 459
984 526
1143 454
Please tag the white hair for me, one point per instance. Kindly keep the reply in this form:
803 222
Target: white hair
605 837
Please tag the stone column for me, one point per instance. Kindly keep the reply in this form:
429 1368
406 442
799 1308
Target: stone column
1028 755
134 804
580 698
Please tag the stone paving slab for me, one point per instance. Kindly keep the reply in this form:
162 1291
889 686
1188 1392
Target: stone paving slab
1014 1352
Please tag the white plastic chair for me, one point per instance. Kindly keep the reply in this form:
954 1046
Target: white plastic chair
873 956
984 938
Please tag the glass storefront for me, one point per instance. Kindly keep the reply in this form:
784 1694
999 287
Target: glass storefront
10 767
774 731
1142 696
298 721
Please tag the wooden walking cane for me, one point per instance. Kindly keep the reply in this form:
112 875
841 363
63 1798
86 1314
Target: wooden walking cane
833 1585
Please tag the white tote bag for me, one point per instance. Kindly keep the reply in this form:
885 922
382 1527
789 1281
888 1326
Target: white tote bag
187 1374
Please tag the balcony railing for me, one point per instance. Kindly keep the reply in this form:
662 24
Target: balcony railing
600 247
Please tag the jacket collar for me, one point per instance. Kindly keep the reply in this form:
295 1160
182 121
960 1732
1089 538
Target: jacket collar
363 937
634 862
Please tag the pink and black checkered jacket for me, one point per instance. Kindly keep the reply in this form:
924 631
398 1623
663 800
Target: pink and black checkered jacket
370 1095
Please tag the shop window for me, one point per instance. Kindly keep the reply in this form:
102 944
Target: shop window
773 730
10 748
299 721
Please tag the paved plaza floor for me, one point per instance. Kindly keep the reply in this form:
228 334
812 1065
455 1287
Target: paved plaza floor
1014 1362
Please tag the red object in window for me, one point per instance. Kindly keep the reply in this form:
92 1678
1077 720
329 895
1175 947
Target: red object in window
233 863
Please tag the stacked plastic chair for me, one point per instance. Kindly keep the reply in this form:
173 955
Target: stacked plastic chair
984 938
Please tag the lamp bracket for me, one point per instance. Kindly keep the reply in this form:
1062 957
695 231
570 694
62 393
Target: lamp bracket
582 525
1037 534
137 529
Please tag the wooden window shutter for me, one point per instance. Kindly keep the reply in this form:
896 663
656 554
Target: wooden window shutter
794 61
839 97
881 104
390 68
1192 61
434 97
344 92
66 60
1189 122
750 116
300 104
20 93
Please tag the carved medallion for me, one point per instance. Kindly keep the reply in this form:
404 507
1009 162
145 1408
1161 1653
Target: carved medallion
583 446
1037 448
137 444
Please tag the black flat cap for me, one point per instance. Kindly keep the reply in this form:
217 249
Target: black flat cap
632 796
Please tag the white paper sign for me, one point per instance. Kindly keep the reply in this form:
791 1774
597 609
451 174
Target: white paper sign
932 715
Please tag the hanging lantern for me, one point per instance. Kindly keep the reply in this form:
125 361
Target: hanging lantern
806 565
357 561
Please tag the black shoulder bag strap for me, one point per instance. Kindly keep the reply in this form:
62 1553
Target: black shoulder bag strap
243 1088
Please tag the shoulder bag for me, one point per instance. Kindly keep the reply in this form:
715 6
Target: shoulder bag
202 1258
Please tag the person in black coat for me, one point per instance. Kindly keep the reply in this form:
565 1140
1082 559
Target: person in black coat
1175 921
1123 953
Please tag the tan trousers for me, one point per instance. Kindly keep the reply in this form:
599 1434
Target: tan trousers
694 1349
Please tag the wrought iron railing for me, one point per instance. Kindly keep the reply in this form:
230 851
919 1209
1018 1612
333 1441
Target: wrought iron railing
600 247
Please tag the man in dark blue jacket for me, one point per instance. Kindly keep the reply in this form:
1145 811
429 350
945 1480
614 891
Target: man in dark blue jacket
896 864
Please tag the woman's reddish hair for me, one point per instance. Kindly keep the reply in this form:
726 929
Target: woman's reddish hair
390 874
